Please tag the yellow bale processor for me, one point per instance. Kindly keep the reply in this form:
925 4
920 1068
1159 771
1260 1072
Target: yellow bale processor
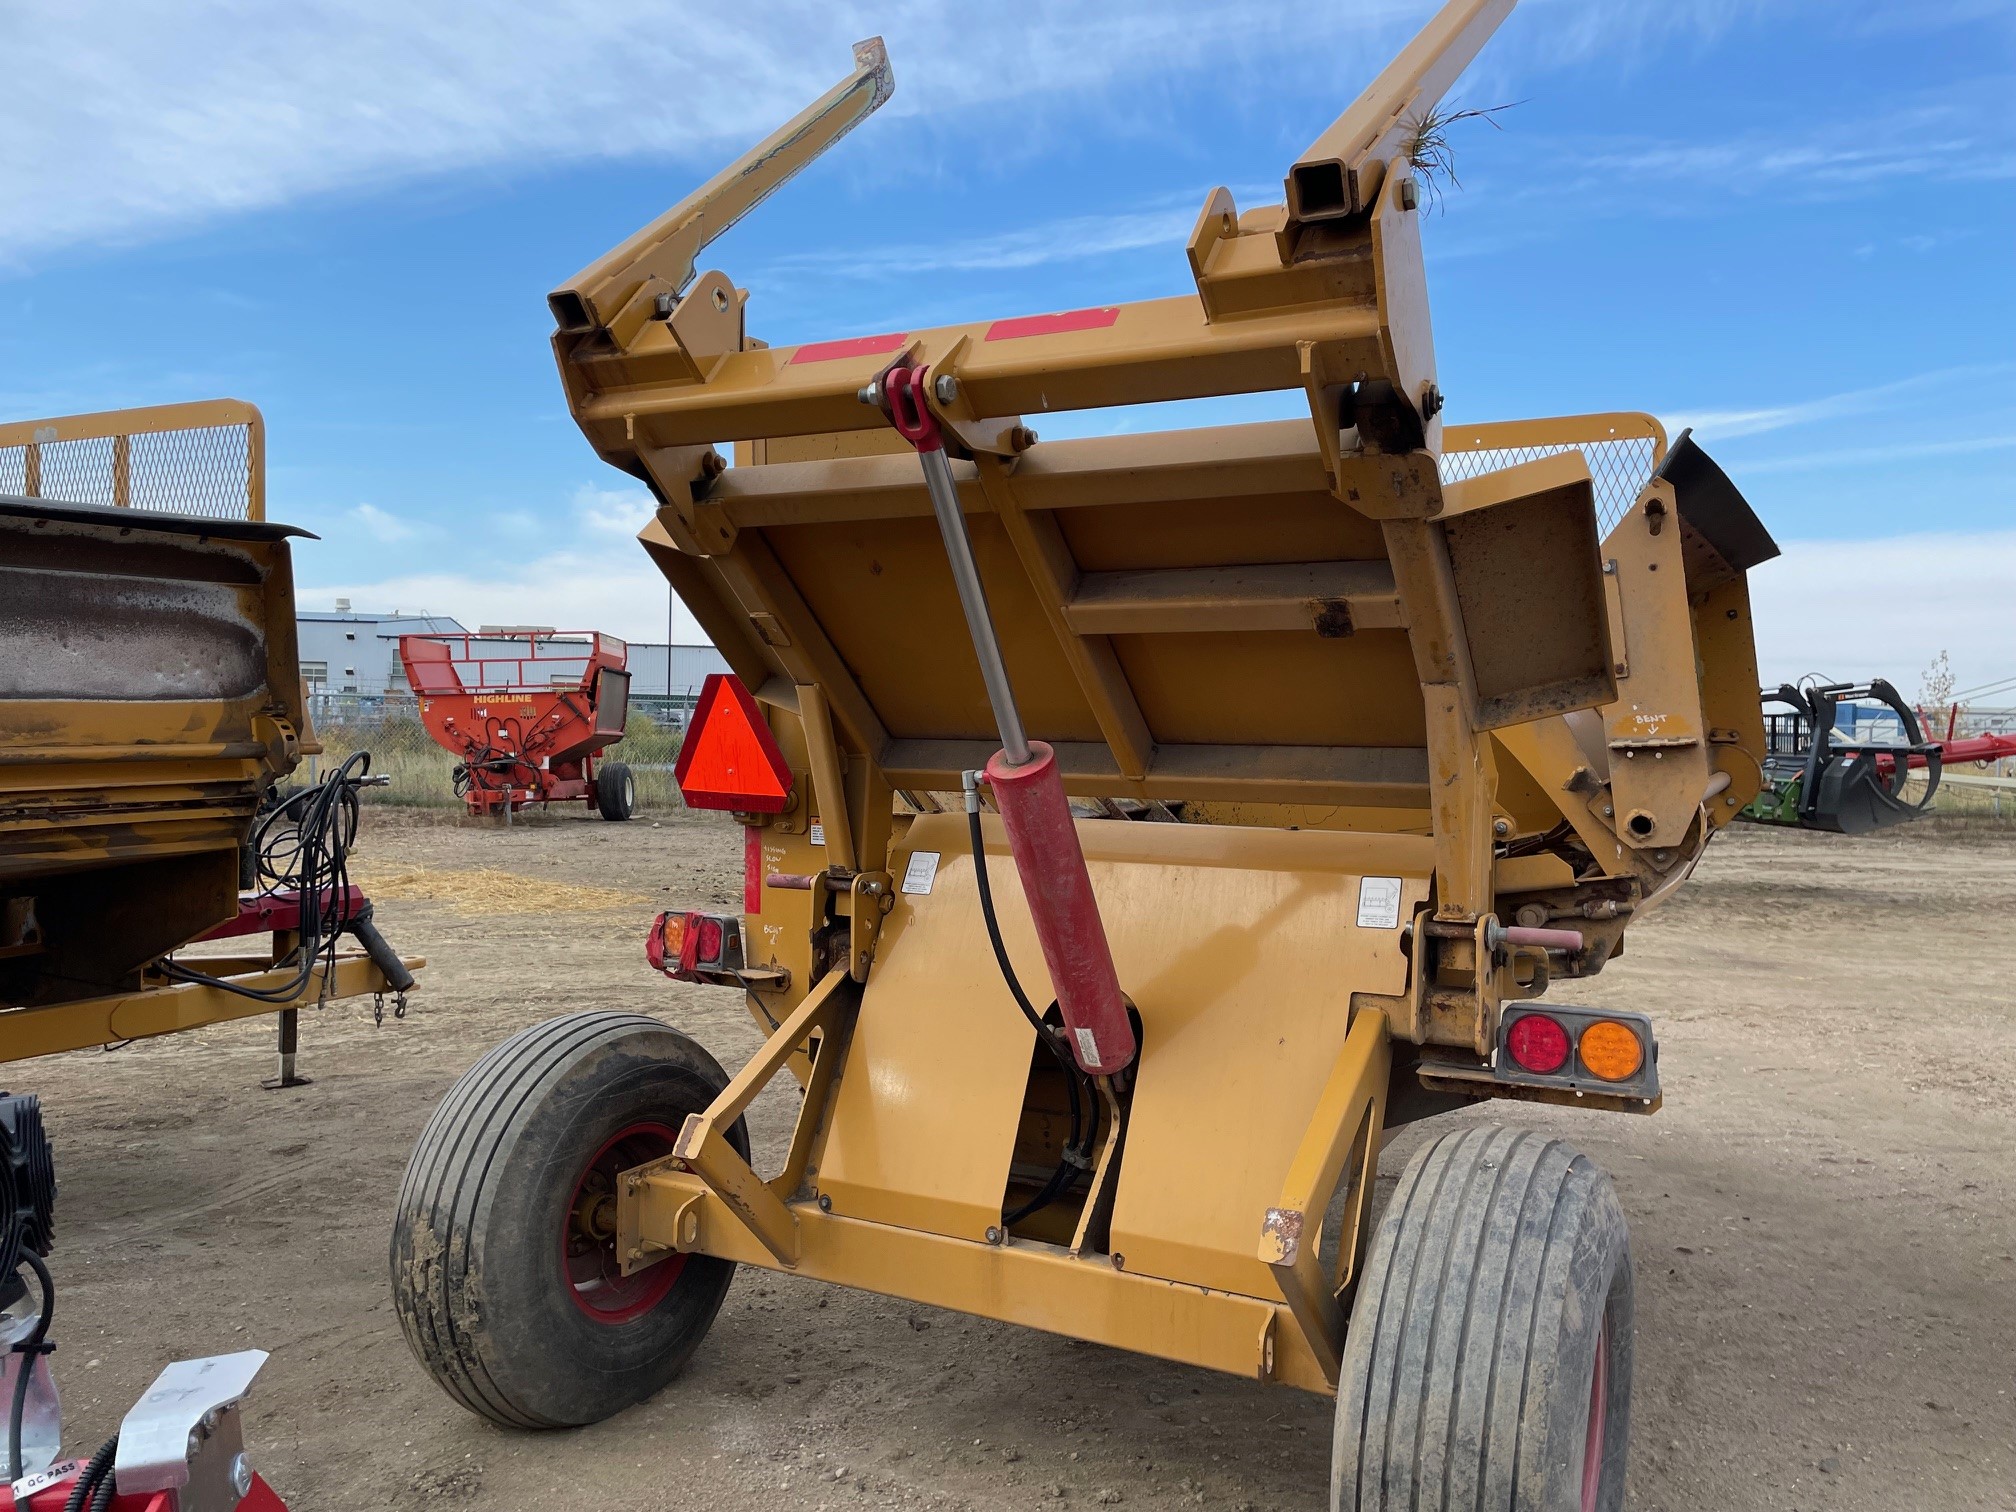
150 699
1139 829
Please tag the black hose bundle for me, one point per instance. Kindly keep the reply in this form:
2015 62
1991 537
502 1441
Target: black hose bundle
303 845
1077 1147
95 1488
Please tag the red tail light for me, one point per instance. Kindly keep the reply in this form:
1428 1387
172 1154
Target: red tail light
695 947
662 943
729 759
1538 1044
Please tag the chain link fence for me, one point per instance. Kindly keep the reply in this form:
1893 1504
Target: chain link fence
422 773
203 459
1618 469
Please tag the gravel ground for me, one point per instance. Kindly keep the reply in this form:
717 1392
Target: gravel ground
1821 1219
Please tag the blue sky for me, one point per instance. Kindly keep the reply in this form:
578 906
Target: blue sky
1789 223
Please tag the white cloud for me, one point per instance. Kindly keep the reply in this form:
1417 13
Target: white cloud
1724 425
1884 608
616 590
125 121
1878 456
613 511
382 524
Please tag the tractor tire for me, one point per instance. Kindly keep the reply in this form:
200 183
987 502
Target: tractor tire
615 791
1488 1362
504 1271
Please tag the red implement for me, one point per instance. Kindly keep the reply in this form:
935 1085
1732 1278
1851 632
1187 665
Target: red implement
1954 752
526 714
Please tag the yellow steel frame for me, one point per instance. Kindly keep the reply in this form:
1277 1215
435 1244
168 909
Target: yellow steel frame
705 1198
1179 613
165 1008
121 426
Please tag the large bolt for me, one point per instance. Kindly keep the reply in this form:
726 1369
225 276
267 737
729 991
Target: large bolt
1410 194
241 1475
871 393
946 387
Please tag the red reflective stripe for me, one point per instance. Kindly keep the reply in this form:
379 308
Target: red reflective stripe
729 759
853 346
752 870
1053 325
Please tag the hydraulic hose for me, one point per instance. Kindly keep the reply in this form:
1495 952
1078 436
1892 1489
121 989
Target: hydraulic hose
30 1349
1080 1136
97 1470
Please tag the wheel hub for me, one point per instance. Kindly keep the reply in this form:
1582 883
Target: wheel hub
589 1264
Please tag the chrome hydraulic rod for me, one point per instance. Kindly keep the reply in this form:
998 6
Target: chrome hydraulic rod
913 420
1027 785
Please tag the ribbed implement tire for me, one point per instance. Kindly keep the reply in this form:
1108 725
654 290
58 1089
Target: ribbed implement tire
615 790
479 1274
1500 1268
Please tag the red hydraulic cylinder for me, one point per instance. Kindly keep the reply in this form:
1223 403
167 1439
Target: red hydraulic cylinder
1044 843
1028 789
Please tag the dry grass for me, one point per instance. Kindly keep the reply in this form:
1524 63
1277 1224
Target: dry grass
1430 151
490 891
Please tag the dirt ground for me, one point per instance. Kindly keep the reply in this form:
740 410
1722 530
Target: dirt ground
1822 1220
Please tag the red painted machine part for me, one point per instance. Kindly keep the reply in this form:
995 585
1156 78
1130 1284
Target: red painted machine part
490 701
593 1275
50 1498
1955 752
1044 842
280 910
912 417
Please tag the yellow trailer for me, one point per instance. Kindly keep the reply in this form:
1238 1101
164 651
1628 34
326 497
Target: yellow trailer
150 698
1294 761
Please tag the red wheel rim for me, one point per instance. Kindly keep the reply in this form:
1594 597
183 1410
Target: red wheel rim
588 1262
1599 1407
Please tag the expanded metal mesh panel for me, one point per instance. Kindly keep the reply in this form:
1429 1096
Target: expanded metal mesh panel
199 470
1619 469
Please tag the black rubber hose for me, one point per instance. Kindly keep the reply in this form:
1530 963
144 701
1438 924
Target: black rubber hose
30 1349
97 1468
383 956
1067 1169
315 862
106 1489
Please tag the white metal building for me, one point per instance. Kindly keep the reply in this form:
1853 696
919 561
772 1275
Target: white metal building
346 652
342 652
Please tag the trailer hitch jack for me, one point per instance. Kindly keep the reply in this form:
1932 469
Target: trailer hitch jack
1028 787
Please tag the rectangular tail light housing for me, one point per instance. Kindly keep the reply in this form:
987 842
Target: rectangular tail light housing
1590 1051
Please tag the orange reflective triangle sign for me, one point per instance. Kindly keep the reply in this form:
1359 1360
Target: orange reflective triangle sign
729 759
